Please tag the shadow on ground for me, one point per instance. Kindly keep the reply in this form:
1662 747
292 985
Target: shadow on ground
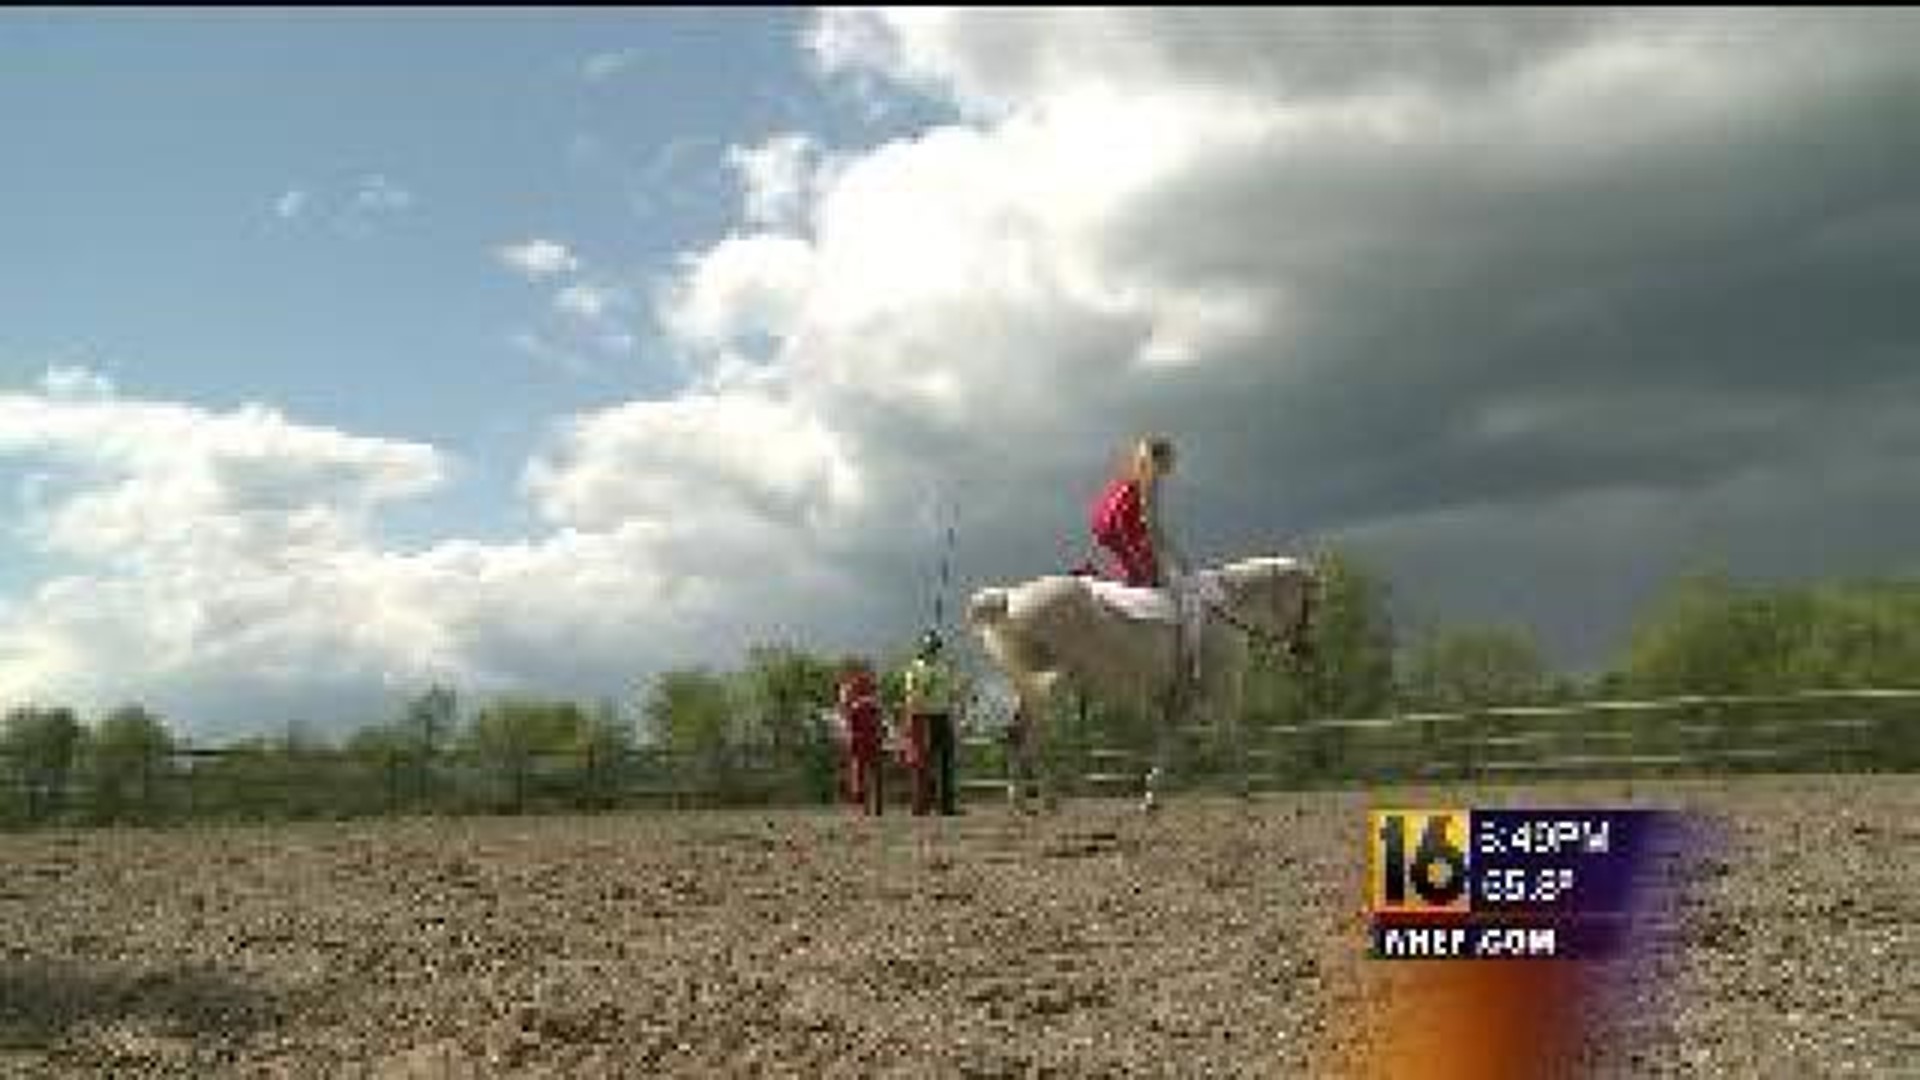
42 1004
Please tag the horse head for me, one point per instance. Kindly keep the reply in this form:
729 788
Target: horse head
1275 596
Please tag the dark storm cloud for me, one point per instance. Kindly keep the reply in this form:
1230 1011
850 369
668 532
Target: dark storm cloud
1535 357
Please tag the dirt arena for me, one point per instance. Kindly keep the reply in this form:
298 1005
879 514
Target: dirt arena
1211 940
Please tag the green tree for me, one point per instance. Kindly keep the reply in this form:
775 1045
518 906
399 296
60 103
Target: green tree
128 761
43 745
431 720
787 689
605 743
386 763
428 725
1708 635
689 711
1864 633
690 715
513 735
1352 637
1453 668
246 780
376 742
1351 673
307 772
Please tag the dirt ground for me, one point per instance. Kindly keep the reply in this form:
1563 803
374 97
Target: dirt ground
1213 939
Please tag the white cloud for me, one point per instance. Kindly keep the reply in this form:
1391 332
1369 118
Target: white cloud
605 65
584 301
590 326
538 258
743 454
375 194
155 482
539 347
71 383
683 173
991 64
366 199
744 286
216 544
233 578
776 179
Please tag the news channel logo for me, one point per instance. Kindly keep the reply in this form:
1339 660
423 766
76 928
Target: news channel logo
1464 883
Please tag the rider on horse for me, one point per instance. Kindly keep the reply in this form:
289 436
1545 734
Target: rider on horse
1126 518
1128 526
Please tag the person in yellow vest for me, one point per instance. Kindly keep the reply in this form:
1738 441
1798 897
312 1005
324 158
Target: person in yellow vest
929 709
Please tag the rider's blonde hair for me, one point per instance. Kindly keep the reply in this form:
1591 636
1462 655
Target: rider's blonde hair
1152 456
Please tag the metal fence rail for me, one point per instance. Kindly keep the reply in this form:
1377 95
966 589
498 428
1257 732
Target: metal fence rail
1873 729
1700 734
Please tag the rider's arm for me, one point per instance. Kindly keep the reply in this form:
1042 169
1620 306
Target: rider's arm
1163 546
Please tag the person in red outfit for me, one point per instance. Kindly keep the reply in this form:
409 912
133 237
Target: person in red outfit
860 711
1126 518
1128 525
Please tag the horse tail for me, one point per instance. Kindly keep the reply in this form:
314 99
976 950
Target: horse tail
987 607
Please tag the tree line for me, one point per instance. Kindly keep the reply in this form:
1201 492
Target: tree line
762 731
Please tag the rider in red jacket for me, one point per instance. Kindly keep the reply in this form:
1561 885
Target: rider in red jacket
1127 525
1126 519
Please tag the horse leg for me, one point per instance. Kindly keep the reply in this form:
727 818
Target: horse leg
1164 711
1237 746
1046 686
1022 753
1032 779
1165 730
1226 695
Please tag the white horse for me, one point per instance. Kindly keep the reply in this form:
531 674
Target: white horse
1122 645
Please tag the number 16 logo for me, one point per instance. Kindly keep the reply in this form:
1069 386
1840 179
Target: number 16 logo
1437 871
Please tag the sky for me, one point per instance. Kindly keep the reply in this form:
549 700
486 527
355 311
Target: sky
541 351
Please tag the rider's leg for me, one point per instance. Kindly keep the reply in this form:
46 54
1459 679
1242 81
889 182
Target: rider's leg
1191 612
1166 730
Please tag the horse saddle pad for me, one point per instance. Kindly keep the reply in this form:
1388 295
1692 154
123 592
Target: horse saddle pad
1149 605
